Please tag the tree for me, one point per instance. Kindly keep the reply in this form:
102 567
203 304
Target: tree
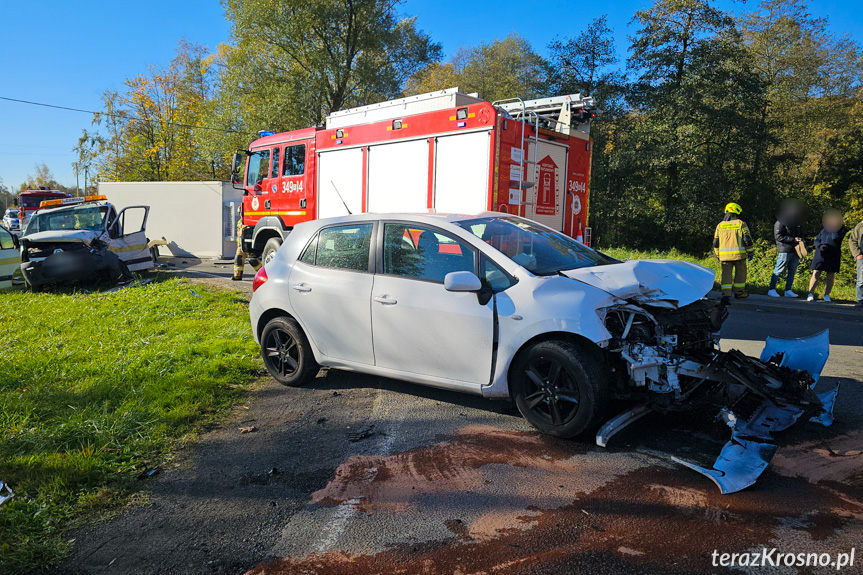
296 61
812 105
686 146
496 70
153 126
42 176
587 64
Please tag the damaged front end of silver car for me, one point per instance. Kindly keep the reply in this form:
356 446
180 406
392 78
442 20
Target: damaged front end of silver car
668 359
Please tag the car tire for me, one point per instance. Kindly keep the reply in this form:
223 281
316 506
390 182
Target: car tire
270 249
286 352
560 388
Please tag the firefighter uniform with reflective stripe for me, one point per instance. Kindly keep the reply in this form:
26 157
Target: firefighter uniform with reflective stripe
240 258
732 243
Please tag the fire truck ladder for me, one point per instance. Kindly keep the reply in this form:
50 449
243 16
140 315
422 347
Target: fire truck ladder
554 113
514 104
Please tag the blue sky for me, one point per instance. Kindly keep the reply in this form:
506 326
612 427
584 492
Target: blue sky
69 53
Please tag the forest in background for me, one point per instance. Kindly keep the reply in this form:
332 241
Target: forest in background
706 108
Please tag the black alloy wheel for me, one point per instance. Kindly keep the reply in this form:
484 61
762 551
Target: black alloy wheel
560 387
555 397
286 352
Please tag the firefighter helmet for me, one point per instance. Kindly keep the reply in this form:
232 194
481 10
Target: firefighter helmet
733 208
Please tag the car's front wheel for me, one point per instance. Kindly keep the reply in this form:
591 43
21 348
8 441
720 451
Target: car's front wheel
560 388
286 352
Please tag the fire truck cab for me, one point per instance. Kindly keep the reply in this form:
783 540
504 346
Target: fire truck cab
444 151
30 201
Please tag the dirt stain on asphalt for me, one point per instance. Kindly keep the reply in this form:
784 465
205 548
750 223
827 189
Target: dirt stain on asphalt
837 459
643 520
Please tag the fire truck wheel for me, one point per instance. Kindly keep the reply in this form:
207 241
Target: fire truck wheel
270 249
560 388
286 352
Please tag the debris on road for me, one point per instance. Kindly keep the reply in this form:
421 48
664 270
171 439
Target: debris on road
5 493
128 284
248 429
148 473
364 433
745 457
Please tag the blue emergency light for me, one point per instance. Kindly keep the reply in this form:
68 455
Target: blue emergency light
265 133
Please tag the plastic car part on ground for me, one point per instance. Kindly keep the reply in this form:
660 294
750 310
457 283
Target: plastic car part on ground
5 493
747 454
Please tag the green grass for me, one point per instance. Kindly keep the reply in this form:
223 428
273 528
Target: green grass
94 388
759 271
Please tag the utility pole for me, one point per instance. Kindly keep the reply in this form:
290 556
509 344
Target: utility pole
85 180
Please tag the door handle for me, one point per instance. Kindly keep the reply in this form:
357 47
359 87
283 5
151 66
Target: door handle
302 288
267 204
384 299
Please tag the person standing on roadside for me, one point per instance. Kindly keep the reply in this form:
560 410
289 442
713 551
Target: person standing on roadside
828 252
733 245
855 242
788 232
241 256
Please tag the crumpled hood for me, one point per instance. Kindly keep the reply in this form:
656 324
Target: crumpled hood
83 236
660 283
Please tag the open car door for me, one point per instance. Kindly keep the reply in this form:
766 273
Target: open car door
10 258
128 238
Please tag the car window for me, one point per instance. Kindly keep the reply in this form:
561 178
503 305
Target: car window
308 256
539 250
275 172
6 242
259 166
295 160
424 253
344 247
496 278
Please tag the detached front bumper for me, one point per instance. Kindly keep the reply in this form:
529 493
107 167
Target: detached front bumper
70 267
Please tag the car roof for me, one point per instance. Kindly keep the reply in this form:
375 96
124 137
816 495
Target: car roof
74 207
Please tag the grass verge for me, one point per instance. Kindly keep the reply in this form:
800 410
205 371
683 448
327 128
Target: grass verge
759 270
96 387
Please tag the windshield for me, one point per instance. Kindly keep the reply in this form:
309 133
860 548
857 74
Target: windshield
12 213
539 250
89 218
33 200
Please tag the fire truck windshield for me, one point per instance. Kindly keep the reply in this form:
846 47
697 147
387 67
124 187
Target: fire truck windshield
33 200
539 250
80 218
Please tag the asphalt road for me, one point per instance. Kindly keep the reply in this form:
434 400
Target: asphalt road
357 474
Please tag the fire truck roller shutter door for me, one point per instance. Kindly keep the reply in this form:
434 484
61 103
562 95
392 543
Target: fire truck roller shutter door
461 173
398 177
344 168
547 197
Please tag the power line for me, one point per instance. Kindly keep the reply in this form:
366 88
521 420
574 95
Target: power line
123 117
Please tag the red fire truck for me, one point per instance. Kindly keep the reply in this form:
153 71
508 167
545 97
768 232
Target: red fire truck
444 151
29 201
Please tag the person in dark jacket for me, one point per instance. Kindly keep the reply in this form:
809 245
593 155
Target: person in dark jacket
828 252
787 232
855 244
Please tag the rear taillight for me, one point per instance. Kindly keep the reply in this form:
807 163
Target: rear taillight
260 279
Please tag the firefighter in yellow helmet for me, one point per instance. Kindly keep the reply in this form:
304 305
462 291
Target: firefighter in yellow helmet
733 244
240 258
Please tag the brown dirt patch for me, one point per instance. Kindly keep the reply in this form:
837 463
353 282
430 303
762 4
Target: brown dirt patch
650 520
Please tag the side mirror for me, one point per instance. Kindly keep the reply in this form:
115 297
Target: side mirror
235 167
461 282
